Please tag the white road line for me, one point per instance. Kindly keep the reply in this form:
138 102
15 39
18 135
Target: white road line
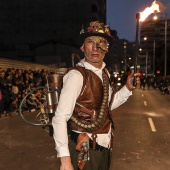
152 125
145 103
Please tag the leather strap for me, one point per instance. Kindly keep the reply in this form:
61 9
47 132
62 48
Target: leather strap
94 136
83 137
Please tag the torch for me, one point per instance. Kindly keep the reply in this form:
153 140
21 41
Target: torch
137 47
141 16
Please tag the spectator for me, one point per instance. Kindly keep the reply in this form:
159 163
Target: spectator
19 96
44 78
15 89
148 81
31 78
15 84
144 82
31 103
13 107
37 78
24 104
26 86
9 88
4 91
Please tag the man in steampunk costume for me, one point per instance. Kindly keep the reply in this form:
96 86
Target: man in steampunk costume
82 123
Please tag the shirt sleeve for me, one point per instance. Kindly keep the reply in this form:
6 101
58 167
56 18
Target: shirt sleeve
120 97
72 84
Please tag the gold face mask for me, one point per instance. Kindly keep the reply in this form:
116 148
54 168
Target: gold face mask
100 42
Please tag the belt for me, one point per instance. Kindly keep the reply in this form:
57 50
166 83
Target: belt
74 136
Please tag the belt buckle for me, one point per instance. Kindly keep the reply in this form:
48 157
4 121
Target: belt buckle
74 137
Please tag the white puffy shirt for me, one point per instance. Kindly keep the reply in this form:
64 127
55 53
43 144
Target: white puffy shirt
72 85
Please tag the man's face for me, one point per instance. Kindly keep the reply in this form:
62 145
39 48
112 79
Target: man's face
94 49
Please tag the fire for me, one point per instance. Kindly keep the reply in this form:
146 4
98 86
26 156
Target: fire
149 10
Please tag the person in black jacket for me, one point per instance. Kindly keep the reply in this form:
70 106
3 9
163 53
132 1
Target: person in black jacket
4 92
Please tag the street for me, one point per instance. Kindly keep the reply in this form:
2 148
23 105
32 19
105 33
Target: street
142 138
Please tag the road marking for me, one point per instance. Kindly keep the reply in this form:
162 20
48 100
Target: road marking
152 125
145 103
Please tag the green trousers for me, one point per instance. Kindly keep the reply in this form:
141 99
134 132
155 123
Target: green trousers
99 160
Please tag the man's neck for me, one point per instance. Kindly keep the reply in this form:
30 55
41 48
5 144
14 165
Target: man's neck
95 64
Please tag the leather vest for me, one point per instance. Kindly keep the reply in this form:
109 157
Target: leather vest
90 100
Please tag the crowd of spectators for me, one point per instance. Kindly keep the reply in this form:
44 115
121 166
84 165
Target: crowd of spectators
15 84
156 82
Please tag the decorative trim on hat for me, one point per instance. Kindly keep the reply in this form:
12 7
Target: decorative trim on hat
97 27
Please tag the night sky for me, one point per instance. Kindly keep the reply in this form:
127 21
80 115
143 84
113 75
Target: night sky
121 15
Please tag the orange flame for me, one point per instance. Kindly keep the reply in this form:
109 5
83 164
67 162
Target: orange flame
149 10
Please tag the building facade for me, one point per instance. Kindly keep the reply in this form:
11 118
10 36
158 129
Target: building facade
45 31
154 57
26 26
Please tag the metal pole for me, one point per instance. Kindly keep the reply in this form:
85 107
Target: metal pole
137 46
146 70
154 57
137 39
125 66
165 65
124 45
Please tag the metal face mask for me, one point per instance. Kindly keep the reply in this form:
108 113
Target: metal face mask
100 42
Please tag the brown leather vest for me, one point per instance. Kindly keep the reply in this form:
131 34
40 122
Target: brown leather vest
90 100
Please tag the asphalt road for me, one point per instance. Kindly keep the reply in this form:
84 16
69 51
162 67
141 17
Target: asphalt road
142 133
142 138
25 147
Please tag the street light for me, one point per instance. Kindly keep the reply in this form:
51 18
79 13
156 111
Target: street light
137 41
125 46
165 66
145 38
154 45
146 67
154 56
136 46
